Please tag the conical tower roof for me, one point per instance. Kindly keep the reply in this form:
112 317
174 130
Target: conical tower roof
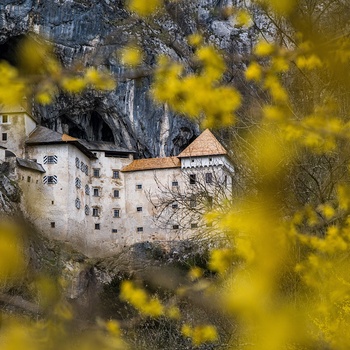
206 144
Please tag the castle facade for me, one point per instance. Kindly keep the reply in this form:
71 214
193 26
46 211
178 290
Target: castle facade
98 198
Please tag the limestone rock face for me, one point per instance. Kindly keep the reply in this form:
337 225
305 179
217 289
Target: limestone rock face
92 32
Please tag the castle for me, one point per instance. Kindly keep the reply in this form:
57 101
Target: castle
97 197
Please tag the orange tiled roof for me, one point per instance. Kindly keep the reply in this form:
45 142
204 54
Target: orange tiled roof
67 138
205 144
153 163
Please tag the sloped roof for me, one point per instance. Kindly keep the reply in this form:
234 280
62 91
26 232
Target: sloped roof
153 163
104 146
30 164
42 136
206 144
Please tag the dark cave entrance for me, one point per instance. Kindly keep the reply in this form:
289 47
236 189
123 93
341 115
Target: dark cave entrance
9 50
95 129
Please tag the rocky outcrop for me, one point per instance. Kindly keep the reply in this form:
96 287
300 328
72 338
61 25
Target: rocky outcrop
93 32
9 191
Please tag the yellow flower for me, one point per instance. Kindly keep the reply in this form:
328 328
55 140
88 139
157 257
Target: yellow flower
253 72
311 62
143 7
131 55
263 48
243 18
195 39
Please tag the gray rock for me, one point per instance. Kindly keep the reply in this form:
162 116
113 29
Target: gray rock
93 31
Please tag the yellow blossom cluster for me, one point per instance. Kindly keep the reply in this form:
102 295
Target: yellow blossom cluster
197 95
138 298
200 334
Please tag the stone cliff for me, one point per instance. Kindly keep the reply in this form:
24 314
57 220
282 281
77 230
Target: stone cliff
92 32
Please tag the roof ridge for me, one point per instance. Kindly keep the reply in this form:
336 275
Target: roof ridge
204 145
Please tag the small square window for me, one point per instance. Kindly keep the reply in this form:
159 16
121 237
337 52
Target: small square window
139 186
175 206
4 136
96 172
175 227
195 225
192 179
97 226
116 174
96 192
116 213
175 184
116 193
139 208
114 230
192 160
53 224
208 178
139 229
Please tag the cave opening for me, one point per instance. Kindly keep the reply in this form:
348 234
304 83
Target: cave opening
10 48
96 129
100 129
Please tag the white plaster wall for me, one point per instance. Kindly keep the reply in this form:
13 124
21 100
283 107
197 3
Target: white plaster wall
152 182
46 203
79 224
106 203
30 124
16 134
192 162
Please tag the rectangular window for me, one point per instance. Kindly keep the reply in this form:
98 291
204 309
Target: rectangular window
51 179
116 193
115 174
96 172
139 187
195 225
210 202
175 227
97 226
4 119
95 212
193 202
116 213
139 229
28 178
175 184
208 178
175 206
192 179
4 136
50 159
96 192
114 230
52 225
139 208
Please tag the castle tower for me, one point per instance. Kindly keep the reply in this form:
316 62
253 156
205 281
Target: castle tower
16 123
